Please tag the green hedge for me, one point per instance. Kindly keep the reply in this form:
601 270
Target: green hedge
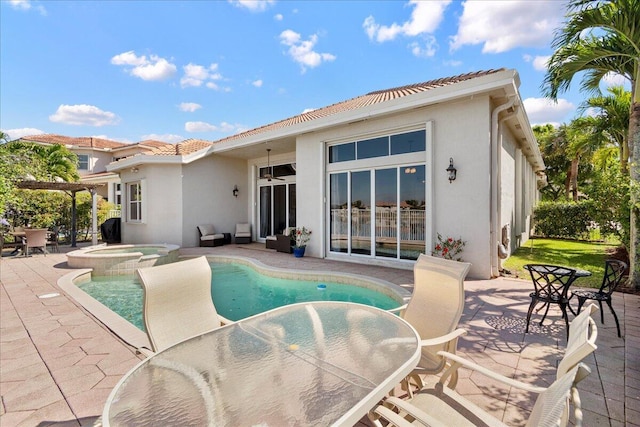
564 220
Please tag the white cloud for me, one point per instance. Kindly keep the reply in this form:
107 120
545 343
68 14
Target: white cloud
189 107
27 5
153 68
19 133
504 25
195 75
425 19
452 63
301 51
615 79
257 83
278 17
543 110
166 137
207 127
83 115
427 49
539 62
253 5
308 110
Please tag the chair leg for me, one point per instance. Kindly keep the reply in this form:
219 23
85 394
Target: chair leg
581 302
531 306
615 317
563 307
545 314
601 312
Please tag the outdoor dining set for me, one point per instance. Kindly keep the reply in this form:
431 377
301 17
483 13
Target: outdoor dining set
25 240
333 363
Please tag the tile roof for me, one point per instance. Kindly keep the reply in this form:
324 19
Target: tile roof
370 98
147 143
83 141
182 148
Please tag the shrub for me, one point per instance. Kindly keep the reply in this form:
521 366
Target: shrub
569 220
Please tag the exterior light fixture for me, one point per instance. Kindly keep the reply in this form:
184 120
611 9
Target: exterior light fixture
235 191
451 171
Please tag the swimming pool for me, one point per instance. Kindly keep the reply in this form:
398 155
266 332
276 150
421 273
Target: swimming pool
240 290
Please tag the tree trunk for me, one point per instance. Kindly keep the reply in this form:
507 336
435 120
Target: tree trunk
634 188
574 178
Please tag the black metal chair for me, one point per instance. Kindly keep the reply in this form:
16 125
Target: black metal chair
613 273
551 286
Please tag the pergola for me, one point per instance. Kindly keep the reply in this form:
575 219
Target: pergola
71 188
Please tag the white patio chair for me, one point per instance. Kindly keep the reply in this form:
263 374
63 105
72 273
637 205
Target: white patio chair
243 233
36 238
434 310
441 406
177 302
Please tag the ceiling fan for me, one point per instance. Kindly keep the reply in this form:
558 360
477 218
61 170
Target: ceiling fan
269 175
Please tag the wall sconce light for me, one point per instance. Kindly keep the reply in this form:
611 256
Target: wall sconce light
235 191
451 170
134 169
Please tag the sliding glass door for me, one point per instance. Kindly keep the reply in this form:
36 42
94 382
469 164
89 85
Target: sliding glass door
277 208
378 212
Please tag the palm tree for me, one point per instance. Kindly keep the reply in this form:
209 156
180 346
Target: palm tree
611 121
601 37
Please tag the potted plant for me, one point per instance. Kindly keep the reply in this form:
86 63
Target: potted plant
300 238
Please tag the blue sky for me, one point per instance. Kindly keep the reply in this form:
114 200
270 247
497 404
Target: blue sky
173 70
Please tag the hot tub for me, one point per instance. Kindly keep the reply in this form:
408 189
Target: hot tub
121 260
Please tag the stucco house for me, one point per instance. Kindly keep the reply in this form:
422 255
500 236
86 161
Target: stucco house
368 176
94 154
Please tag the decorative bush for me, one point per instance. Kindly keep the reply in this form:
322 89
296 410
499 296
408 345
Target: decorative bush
448 248
569 220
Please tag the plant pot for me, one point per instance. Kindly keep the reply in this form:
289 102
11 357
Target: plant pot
298 252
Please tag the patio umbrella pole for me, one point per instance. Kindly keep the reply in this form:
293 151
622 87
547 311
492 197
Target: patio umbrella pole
73 219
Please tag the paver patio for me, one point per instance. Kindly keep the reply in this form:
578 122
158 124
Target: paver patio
58 364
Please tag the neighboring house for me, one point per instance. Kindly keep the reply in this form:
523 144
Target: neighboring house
368 176
94 154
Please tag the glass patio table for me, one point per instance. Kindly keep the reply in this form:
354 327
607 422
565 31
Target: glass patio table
318 363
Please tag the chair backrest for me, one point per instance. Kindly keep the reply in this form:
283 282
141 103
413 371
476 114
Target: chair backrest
437 301
613 271
552 405
583 333
177 301
36 237
206 230
551 281
243 228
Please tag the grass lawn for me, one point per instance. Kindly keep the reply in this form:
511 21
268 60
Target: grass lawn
584 255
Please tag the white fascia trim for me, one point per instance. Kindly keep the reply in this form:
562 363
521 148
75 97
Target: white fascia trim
504 79
143 159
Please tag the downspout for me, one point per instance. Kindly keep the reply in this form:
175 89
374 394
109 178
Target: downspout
494 213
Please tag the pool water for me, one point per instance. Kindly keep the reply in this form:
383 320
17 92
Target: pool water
238 292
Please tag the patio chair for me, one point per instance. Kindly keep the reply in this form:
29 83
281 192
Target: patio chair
551 286
52 239
36 238
280 242
613 273
243 233
434 310
441 406
177 302
209 237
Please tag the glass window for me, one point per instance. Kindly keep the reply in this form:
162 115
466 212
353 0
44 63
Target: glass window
83 162
135 201
339 213
342 152
408 142
386 212
412 211
265 211
376 147
361 212
292 205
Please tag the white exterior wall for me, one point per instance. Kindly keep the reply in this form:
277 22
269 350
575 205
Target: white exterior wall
460 209
162 208
208 196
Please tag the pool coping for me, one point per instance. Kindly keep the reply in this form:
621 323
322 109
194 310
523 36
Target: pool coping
138 339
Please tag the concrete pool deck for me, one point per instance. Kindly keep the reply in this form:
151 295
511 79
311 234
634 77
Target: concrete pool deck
58 364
